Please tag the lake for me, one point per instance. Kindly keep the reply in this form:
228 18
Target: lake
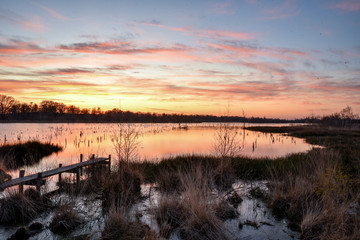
155 140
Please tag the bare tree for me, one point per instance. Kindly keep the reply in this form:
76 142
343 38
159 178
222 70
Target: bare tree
226 142
6 103
126 142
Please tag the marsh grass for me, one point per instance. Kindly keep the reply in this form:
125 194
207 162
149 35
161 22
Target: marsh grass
19 208
65 220
121 188
17 155
193 212
317 197
118 227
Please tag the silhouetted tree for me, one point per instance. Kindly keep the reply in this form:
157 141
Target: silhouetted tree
345 118
48 106
6 102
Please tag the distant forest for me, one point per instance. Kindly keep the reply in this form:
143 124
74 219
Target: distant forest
12 110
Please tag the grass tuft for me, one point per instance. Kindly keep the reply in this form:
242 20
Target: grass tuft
22 207
65 220
117 227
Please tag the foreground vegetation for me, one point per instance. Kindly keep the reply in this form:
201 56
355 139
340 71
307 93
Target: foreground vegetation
317 192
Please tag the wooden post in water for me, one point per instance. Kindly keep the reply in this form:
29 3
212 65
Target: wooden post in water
21 186
93 156
38 181
59 183
109 163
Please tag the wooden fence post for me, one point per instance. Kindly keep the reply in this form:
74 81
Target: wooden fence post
60 165
38 181
81 160
21 175
77 174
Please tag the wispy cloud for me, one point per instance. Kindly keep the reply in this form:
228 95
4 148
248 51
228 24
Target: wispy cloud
285 10
14 46
347 5
120 48
54 13
205 33
224 8
252 51
33 24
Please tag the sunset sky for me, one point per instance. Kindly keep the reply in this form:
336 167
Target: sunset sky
286 58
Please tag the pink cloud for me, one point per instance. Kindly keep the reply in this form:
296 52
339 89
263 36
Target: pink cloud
347 5
34 24
20 47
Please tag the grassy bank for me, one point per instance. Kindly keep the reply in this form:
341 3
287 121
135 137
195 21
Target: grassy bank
322 195
13 156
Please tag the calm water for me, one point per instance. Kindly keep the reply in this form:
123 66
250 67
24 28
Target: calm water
155 141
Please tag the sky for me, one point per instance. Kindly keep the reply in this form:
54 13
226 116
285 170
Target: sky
279 58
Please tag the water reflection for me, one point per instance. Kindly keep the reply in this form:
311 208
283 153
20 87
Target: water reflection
156 140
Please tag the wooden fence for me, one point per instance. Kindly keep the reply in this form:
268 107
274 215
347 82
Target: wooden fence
38 179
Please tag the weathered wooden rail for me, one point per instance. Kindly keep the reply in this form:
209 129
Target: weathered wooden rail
38 178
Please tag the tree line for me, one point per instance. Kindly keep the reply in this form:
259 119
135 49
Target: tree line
12 110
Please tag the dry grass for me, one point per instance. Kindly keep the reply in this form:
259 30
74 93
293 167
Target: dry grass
193 212
22 207
117 227
121 188
65 220
168 181
169 215
318 197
